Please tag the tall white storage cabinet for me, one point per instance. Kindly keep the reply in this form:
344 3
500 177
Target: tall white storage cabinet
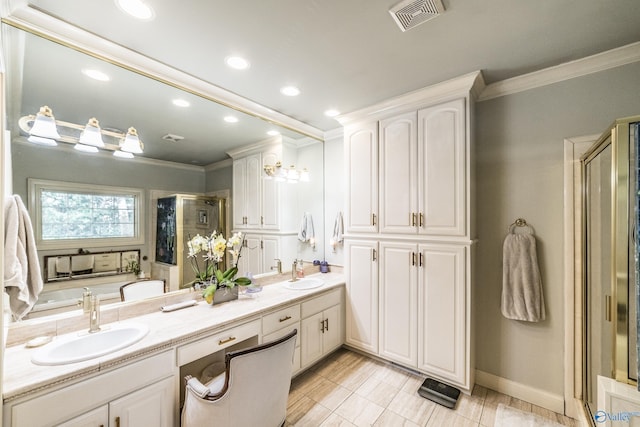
262 209
409 229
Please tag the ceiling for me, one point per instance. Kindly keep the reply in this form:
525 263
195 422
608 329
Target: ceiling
349 54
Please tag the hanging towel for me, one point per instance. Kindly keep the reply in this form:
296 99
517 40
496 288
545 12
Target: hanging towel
22 276
338 230
307 233
522 297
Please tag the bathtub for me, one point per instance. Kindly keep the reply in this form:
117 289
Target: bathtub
51 302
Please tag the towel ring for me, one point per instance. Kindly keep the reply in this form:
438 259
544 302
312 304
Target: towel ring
520 222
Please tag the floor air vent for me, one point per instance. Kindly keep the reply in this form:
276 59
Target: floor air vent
440 393
410 13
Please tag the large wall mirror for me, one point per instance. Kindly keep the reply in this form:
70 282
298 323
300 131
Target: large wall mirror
184 146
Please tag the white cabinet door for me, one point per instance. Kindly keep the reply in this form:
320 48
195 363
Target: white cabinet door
270 196
239 188
443 348
398 174
311 339
361 162
95 418
442 157
332 336
253 191
398 302
270 251
251 255
361 269
150 406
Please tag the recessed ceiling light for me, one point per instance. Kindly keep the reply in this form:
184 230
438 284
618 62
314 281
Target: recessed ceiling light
332 113
136 8
95 74
180 103
237 62
290 91
231 119
273 133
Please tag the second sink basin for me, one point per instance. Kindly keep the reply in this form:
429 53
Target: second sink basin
76 348
304 283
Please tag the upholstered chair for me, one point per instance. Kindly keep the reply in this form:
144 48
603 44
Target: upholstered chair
252 391
142 289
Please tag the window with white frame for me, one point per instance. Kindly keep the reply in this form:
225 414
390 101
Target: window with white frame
71 215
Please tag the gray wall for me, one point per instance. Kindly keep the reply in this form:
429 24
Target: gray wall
219 179
519 155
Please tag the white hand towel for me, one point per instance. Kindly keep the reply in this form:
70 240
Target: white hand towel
522 297
22 274
338 229
307 232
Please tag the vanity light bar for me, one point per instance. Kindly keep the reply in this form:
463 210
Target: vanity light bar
43 130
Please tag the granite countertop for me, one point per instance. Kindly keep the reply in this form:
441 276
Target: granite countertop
166 330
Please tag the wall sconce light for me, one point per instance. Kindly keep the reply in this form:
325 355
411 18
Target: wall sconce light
44 129
281 174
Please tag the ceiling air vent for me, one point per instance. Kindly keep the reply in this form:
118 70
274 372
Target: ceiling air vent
172 138
411 13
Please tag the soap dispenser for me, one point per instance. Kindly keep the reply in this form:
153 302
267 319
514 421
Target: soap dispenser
299 268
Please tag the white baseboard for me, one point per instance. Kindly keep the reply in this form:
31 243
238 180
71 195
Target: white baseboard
551 401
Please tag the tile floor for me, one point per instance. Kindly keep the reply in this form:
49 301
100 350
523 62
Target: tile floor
350 389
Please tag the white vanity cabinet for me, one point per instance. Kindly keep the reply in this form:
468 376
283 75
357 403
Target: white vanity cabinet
361 162
418 161
261 250
132 396
409 229
280 323
246 192
424 321
321 327
361 326
258 203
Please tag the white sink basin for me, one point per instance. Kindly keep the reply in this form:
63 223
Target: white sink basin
76 348
304 283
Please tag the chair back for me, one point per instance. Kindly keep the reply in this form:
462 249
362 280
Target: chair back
255 390
140 289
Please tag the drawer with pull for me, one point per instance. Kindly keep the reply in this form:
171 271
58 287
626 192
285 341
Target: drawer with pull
218 341
280 319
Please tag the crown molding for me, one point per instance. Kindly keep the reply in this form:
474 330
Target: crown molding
580 67
470 84
226 163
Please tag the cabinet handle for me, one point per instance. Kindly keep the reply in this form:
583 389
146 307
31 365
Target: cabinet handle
261 244
322 326
284 319
607 308
373 219
413 219
326 321
261 220
421 219
117 421
413 258
420 262
226 340
374 256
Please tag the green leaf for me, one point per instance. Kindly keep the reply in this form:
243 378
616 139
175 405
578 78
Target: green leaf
243 281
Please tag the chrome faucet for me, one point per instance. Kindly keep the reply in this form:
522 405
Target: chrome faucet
85 302
94 314
278 266
294 267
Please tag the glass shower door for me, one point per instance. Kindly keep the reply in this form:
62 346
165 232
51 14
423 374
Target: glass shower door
599 334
